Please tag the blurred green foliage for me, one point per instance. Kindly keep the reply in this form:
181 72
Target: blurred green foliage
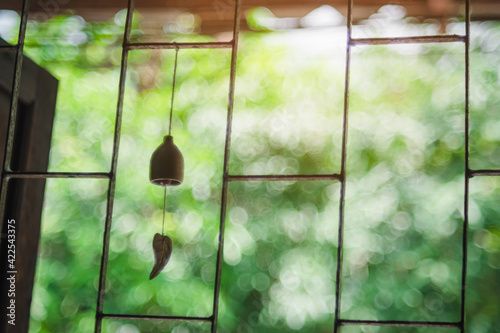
404 204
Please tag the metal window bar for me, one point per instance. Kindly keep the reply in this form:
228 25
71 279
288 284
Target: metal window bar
249 178
408 40
163 46
158 318
338 321
44 175
340 235
400 323
114 165
225 174
466 166
473 173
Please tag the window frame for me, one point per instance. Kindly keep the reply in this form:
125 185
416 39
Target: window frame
8 174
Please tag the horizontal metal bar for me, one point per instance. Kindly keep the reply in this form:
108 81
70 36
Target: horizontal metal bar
473 173
408 40
97 175
159 318
156 46
243 178
400 323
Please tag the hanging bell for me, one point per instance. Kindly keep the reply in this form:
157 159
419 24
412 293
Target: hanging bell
167 164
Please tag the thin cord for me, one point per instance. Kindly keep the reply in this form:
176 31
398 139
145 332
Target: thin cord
164 207
173 90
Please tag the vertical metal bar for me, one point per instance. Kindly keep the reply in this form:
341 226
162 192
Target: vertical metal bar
340 244
225 176
114 163
467 170
14 98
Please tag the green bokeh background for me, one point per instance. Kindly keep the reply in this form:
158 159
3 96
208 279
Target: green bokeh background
404 200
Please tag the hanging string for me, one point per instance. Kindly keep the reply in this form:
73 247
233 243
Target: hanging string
173 90
169 132
164 208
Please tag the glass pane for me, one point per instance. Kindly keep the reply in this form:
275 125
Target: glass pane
483 270
289 103
404 208
484 97
142 326
82 49
395 19
185 287
67 273
189 21
279 257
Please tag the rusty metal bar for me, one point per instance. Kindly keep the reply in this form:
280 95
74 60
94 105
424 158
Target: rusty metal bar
44 175
163 46
473 173
340 243
157 318
249 178
400 323
409 40
225 175
14 98
466 167
114 163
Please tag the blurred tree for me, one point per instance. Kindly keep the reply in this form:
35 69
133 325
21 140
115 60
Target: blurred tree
404 192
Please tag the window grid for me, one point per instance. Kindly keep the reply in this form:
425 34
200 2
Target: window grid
8 174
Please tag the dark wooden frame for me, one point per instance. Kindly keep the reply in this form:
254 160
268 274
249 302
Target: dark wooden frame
33 132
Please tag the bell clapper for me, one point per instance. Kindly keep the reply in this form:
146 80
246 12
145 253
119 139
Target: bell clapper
162 244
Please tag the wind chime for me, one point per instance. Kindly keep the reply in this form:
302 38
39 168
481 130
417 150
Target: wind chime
166 169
